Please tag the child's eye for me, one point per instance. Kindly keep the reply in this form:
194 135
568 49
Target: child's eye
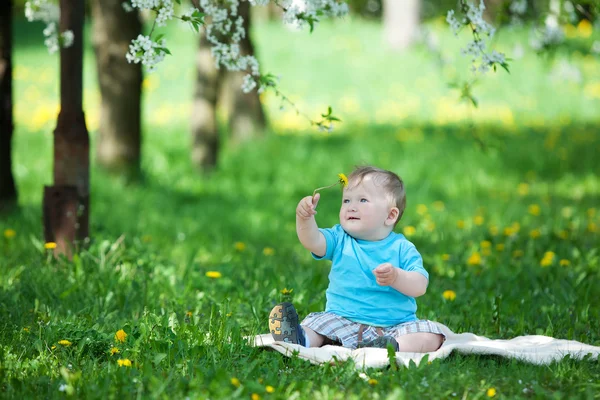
345 201
363 200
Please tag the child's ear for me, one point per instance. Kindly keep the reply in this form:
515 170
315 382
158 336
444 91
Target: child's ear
392 216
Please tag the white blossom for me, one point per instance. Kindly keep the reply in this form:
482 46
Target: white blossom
146 51
49 13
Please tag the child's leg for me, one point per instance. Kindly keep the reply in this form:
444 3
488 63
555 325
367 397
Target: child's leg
313 339
420 342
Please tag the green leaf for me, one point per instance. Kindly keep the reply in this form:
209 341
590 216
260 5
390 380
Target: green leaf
158 358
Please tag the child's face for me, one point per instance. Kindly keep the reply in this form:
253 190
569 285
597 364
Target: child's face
366 212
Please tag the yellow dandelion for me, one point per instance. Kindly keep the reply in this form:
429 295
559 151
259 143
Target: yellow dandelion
9 233
485 244
124 362
343 180
547 259
421 209
229 314
508 231
474 259
268 251
239 246
255 396
563 234
591 213
188 314
235 382
213 274
491 392
269 389
373 382
500 247
535 233
445 257
460 224
286 291
53 347
26 329
120 336
50 245
592 227
449 295
486 252
518 254
534 209
523 189
114 351
493 230
584 28
564 263
439 205
409 230
478 220
64 342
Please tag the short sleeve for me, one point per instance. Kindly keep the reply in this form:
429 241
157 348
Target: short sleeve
411 260
331 239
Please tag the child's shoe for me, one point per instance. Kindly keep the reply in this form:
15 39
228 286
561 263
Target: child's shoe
284 325
381 342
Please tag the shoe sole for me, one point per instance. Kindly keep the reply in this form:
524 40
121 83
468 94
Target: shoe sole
283 323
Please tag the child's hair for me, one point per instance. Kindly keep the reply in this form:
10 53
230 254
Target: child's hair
392 184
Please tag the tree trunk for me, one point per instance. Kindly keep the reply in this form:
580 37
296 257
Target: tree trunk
66 204
246 115
8 192
118 148
205 133
401 22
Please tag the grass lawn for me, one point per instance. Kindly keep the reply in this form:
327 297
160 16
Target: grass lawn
188 265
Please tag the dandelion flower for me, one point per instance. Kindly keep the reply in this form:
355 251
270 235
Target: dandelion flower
547 259
523 189
64 342
50 245
485 244
564 263
449 295
268 251
421 209
500 247
10 233
269 389
213 274
534 209
255 396
592 227
493 230
535 233
114 351
409 230
343 180
478 220
235 382
491 392
474 259
445 257
124 362
373 382
240 246
460 224
120 336
286 291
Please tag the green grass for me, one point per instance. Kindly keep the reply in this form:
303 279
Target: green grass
145 270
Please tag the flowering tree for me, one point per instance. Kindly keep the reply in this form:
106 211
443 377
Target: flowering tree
8 193
66 203
118 145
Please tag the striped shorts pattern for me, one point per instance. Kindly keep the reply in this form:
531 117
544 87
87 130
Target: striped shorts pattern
342 330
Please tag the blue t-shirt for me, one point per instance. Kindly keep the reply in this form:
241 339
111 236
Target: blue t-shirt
353 292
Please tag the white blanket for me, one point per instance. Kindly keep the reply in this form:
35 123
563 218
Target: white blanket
535 349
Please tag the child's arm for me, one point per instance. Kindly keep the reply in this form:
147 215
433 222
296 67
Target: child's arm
410 283
306 226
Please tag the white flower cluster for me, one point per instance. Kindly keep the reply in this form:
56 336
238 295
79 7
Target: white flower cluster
482 32
517 9
309 12
548 36
146 51
49 13
163 8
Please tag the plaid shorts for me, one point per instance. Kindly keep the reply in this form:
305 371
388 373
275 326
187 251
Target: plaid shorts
342 330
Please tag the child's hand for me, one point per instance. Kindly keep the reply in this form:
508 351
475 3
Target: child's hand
307 206
385 274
